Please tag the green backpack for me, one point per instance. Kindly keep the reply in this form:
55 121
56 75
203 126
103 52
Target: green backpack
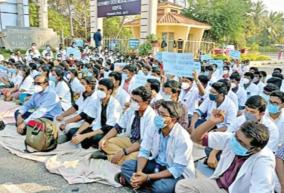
42 135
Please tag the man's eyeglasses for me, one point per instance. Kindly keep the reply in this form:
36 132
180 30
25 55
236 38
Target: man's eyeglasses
39 83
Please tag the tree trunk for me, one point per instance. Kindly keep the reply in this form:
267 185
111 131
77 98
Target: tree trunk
70 18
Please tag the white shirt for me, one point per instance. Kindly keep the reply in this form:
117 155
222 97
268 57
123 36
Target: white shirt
256 174
84 103
279 122
190 99
122 96
227 106
242 96
260 86
273 130
234 98
179 148
63 92
76 86
146 121
252 90
113 112
27 85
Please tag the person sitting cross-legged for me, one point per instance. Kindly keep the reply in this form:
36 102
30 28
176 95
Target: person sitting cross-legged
246 164
138 118
165 155
44 103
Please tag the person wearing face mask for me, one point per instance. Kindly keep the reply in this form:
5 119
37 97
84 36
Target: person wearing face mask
190 94
154 85
246 164
62 88
235 79
75 83
48 51
226 72
276 113
72 117
257 81
171 92
249 86
132 126
44 103
165 156
210 72
33 52
255 111
267 90
99 118
118 92
129 77
217 99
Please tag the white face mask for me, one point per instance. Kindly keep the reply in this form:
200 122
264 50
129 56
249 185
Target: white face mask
166 97
135 106
225 72
246 80
101 94
185 85
68 76
233 85
38 89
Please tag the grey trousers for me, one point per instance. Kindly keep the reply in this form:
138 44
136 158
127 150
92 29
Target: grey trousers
203 185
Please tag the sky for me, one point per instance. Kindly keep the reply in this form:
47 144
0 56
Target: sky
274 5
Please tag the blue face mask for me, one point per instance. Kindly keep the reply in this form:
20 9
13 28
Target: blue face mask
52 78
238 148
249 116
273 108
159 122
212 97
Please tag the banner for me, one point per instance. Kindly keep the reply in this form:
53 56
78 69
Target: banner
235 54
73 51
108 8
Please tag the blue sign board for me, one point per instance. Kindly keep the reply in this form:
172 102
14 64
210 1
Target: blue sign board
235 54
133 43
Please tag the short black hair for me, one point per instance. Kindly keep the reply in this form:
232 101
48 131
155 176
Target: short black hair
107 83
156 70
175 86
256 131
131 68
174 108
203 79
90 80
279 69
33 66
226 82
74 71
59 72
256 102
96 72
154 84
209 68
249 74
144 93
235 76
117 76
278 94
263 73
254 68
220 87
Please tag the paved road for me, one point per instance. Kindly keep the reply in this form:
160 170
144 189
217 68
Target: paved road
18 175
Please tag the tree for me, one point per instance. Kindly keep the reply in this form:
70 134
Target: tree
227 18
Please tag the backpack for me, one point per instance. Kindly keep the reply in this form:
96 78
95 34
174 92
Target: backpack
42 135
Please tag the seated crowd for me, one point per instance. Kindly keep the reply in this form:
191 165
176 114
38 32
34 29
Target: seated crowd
151 130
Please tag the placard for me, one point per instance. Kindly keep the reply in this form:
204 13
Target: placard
133 43
75 51
235 54
206 57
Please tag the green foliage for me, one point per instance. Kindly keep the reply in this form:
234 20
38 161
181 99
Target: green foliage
254 57
113 28
145 49
227 18
33 10
58 22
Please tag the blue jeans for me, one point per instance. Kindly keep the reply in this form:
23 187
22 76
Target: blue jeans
166 185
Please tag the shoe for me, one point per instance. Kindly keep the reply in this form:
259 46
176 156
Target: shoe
2 125
99 155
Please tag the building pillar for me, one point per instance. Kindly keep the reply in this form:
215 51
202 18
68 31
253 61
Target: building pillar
43 14
96 23
148 18
20 12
